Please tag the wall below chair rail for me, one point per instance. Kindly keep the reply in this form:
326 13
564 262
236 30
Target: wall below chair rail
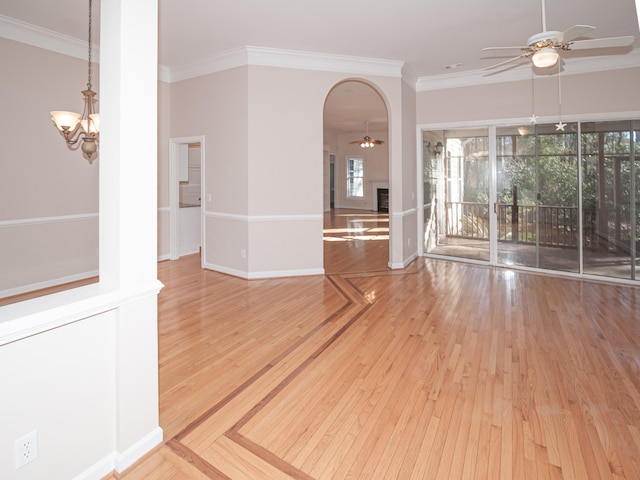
59 383
42 252
63 370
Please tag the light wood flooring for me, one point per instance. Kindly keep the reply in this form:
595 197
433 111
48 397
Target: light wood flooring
439 371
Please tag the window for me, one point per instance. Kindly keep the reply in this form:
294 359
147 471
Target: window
355 177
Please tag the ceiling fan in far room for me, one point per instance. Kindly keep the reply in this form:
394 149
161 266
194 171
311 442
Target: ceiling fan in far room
367 141
544 47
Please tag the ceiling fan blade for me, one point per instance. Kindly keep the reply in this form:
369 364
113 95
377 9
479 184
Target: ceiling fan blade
574 32
602 43
528 54
370 140
505 48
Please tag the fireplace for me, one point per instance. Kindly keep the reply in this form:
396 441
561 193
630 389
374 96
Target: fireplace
383 199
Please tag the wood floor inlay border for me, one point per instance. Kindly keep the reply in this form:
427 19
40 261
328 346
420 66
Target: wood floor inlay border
447 370
353 297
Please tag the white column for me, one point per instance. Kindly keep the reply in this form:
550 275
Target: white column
128 213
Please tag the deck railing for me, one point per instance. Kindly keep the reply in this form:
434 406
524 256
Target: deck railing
558 225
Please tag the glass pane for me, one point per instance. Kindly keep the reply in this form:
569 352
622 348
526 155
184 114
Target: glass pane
355 174
610 198
537 193
456 193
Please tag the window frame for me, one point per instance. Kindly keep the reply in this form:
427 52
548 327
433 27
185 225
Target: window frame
352 187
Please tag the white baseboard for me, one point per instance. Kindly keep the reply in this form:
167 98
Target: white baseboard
47 283
405 264
100 470
264 274
139 449
119 462
189 250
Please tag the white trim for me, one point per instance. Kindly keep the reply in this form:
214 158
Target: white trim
36 36
405 213
164 74
120 462
174 196
583 117
263 218
264 274
24 319
22 222
99 470
47 283
274 57
136 451
405 264
572 66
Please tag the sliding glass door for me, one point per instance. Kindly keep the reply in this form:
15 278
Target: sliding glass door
611 182
537 197
456 193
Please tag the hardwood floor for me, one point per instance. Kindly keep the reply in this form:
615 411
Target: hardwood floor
355 241
442 370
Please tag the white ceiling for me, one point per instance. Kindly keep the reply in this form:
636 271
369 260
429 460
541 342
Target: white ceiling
426 35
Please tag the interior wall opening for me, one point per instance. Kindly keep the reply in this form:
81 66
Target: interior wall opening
356 170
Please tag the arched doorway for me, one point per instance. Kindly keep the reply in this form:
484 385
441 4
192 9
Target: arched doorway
356 179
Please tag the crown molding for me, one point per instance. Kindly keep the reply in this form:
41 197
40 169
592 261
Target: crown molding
273 57
523 72
29 34
35 36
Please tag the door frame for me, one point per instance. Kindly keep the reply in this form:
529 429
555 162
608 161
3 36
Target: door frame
174 194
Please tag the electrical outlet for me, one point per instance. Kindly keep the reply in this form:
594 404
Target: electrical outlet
26 449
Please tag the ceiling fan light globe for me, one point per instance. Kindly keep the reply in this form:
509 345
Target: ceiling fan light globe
545 57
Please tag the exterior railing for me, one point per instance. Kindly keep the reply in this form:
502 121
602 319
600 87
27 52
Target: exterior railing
558 225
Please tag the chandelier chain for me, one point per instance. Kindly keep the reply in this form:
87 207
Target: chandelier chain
89 66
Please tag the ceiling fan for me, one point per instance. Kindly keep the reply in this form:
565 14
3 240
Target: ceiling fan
367 141
544 47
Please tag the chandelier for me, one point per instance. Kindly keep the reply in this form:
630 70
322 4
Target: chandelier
81 129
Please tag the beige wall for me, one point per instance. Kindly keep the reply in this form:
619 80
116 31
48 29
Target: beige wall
81 366
164 116
48 194
409 175
264 163
589 94
264 171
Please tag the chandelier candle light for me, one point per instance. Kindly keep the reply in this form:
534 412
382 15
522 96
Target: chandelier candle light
85 127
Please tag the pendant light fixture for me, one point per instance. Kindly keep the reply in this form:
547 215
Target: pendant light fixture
81 129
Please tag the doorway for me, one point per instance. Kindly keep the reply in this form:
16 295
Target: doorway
535 197
186 197
354 110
